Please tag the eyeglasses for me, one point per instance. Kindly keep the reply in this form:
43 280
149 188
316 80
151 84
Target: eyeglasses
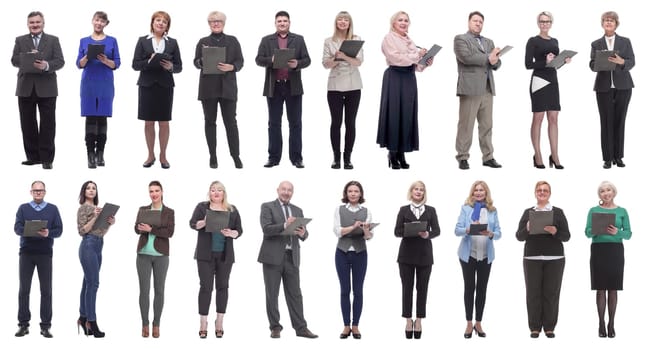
609 20
215 21
545 22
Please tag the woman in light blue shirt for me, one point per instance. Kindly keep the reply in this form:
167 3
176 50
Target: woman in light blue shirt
476 251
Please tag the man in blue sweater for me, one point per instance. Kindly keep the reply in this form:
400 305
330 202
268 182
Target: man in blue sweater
36 249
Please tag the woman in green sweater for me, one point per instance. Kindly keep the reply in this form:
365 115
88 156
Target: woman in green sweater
607 254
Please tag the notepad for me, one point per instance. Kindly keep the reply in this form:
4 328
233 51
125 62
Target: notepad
101 222
413 228
211 56
538 220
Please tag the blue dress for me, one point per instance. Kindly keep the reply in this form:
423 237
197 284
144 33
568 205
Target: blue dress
97 80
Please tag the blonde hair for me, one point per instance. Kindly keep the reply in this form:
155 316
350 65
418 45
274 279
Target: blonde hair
412 187
339 34
225 202
488 200
545 13
612 15
393 18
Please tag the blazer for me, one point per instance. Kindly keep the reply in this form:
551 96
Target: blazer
162 232
344 76
43 83
154 73
621 75
544 244
464 221
264 59
214 86
203 247
272 220
416 250
473 65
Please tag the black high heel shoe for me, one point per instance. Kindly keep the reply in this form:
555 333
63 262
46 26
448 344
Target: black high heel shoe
468 335
393 161
94 328
80 324
602 330
607 164
402 160
619 162
417 333
480 332
536 165
409 333
345 335
553 164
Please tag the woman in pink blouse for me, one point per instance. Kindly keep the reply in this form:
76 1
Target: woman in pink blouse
398 111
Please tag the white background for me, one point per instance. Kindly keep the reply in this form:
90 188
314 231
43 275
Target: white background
318 188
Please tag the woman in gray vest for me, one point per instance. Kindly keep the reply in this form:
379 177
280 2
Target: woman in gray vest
352 226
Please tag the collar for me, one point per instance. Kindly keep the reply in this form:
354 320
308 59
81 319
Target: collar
548 207
41 205
350 206
150 36
281 37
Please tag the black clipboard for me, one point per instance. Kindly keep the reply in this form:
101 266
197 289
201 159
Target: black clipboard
350 48
475 229
156 59
216 220
101 222
358 232
429 54
413 228
601 62
601 221
151 217
27 60
282 56
211 56
93 50
538 220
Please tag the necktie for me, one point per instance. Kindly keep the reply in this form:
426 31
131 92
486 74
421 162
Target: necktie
479 38
286 211
36 41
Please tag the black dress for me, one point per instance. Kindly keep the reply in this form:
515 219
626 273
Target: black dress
397 129
547 97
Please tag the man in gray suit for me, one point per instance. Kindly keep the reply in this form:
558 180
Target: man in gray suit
38 56
477 58
280 258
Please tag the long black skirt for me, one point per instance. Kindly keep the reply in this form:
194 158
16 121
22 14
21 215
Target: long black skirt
607 266
397 130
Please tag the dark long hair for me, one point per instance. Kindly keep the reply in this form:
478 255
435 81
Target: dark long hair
82 193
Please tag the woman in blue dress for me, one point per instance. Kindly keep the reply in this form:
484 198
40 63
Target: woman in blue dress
98 56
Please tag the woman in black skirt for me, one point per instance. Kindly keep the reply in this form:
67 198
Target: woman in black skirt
607 254
156 58
398 111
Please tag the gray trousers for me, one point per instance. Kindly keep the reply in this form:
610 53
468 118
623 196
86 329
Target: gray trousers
157 266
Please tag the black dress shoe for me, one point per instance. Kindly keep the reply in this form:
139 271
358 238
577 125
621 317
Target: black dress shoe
22 331
275 333
299 164
30 162
149 164
165 165
550 334
306 333
271 163
237 162
491 163
534 334
47 165
463 164
607 164
620 163
213 164
45 333
344 335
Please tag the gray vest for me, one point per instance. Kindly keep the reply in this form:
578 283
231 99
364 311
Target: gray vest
347 219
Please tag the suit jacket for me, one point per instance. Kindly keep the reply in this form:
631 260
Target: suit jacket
264 59
219 85
416 250
203 247
621 75
44 83
473 65
162 232
464 222
154 73
272 221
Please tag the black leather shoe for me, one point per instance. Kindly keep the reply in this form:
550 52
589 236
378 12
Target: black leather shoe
47 165
22 331
491 163
213 164
620 163
534 334
30 162
165 165
149 164
299 164
550 334
237 162
271 163
275 333
607 164
463 164
306 333
45 333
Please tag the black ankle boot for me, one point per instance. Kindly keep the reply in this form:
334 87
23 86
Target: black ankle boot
393 161
402 160
94 328
91 160
346 160
336 164
237 162
99 158
213 162
81 324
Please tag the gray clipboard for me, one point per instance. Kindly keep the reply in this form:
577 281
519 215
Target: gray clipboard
27 60
281 56
211 56
504 50
298 222
101 222
216 220
413 228
93 50
32 227
350 48
559 60
538 220
429 54
601 221
475 229
357 232
151 217
601 62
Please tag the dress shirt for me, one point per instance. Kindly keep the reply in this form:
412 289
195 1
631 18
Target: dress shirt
417 210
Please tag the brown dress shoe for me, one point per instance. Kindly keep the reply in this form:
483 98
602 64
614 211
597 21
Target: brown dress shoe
155 331
275 333
145 331
306 333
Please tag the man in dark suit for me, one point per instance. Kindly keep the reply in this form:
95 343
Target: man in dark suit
37 88
283 85
36 250
280 258
477 58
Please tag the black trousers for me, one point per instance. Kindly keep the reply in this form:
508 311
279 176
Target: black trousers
38 137
613 107
408 273
228 108
294 106
214 269
338 101
543 288
26 265
476 277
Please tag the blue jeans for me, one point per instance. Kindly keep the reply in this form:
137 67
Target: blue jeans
352 264
90 257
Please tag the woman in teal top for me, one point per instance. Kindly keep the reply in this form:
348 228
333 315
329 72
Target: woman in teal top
152 254
607 256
